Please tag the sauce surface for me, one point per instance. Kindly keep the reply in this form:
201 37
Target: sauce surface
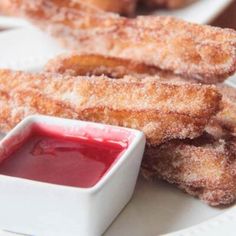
61 160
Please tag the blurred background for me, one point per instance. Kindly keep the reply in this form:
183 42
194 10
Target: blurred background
227 18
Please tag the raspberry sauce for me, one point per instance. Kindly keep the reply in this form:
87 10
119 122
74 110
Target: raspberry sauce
70 161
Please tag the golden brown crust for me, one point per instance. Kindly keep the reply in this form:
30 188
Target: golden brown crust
124 7
93 64
157 126
205 166
158 109
202 52
15 107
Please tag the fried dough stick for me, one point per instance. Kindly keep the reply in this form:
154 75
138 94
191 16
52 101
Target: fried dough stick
172 4
206 171
91 64
203 167
203 52
124 7
75 64
161 111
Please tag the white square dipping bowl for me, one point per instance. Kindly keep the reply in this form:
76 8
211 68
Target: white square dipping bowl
38 208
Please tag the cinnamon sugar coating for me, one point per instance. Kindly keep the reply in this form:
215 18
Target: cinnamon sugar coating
162 111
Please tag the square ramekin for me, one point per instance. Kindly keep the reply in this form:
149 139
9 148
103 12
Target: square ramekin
38 208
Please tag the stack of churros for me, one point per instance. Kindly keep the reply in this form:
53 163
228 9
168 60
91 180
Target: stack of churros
157 74
205 166
190 50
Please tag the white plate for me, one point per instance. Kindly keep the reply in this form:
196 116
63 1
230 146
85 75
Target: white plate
11 22
26 48
156 208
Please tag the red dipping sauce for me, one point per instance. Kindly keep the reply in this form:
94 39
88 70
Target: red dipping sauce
69 161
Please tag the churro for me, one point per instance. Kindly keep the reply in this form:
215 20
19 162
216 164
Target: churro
93 64
162 111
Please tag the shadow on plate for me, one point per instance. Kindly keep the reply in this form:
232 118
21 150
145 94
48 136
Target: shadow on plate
160 208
